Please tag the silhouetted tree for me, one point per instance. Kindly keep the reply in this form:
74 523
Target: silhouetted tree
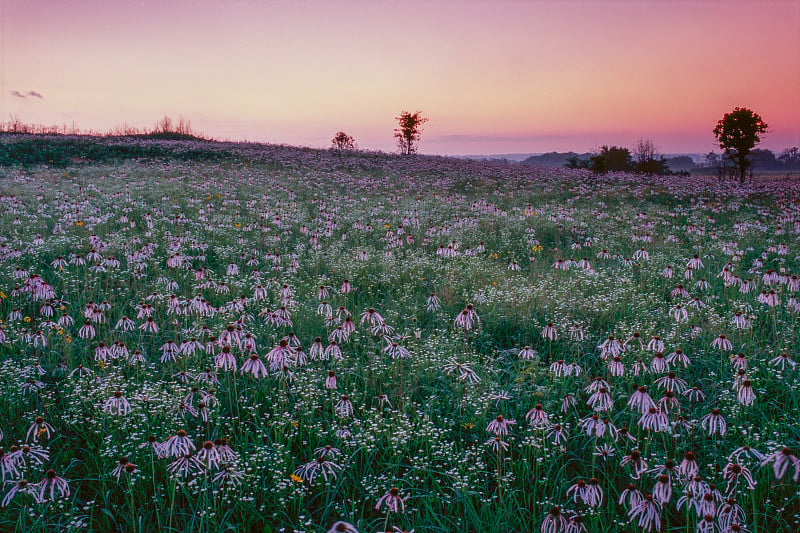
716 163
680 162
409 132
737 133
790 158
647 160
613 159
164 125
576 162
342 141
645 150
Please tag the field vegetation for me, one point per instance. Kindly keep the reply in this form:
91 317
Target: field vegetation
225 337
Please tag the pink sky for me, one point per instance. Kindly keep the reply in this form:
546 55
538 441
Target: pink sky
492 76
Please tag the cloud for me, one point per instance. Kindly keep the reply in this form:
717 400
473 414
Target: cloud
31 93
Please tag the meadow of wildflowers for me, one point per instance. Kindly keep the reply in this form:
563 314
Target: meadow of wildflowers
284 339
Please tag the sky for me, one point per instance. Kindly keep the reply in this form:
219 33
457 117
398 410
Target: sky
491 76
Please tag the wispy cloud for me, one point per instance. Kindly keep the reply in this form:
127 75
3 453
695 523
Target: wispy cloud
31 93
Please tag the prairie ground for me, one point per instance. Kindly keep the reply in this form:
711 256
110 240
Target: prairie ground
203 337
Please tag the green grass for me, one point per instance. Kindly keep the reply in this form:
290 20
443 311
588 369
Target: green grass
415 425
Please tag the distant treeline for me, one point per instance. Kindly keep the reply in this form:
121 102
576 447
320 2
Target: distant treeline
165 129
712 163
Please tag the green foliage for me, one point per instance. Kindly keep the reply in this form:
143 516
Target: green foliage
342 141
409 132
738 132
333 213
64 151
576 162
611 159
657 167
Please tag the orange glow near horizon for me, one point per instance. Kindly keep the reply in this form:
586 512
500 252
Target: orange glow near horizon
493 77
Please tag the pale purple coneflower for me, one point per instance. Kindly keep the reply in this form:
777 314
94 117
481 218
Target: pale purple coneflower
392 501
678 357
630 497
38 429
465 372
557 434
253 365
672 383
52 487
637 463
745 451
641 400
433 303
730 514
590 493
782 361
528 354
123 466
342 527
659 363
320 465
177 445
647 514
209 455
225 360
733 472
117 404
332 351
467 319
694 394
344 407
537 417
655 420
186 466
554 522
330 381
781 461
746 394
662 492
714 423
601 400
656 344
500 425
722 343
567 401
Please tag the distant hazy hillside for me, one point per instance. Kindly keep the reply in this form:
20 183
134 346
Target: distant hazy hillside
495 157
553 159
557 159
